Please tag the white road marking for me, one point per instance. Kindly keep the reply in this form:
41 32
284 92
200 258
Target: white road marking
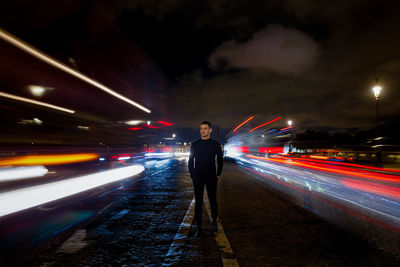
175 250
228 260
74 243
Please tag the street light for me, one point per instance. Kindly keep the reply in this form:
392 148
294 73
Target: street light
377 90
174 135
36 90
290 122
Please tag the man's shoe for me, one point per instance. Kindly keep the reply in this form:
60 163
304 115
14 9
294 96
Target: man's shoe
214 227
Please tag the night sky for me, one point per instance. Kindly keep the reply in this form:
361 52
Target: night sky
312 61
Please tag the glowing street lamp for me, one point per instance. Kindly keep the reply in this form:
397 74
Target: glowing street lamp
377 90
290 122
37 90
173 135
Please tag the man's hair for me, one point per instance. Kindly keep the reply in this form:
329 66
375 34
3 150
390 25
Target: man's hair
206 122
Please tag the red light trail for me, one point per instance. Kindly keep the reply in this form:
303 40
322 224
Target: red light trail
265 124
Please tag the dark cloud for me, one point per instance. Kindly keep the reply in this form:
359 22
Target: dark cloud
274 48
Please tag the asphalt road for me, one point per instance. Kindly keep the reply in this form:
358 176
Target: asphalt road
269 228
137 222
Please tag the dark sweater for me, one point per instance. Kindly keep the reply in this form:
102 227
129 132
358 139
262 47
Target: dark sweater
202 159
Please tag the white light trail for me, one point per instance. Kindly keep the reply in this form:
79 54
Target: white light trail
19 173
158 154
86 128
25 198
124 158
134 122
57 64
35 102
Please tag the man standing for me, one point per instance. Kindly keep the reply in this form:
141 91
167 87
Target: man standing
204 173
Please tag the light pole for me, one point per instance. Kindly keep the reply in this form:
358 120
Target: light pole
290 122
378 153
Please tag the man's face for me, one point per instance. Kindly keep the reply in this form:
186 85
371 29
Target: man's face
205 130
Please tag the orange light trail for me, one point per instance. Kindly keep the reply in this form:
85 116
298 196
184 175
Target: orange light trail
318 157
277 149
344 164
265 124
343 170
48 159
243 123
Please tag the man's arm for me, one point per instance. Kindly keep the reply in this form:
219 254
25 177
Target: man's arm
220 160
191 161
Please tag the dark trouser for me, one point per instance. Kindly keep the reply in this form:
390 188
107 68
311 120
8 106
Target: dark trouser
211 186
